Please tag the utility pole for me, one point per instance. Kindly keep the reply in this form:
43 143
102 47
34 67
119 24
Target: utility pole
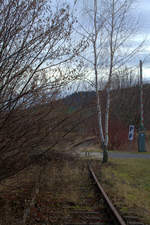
141 135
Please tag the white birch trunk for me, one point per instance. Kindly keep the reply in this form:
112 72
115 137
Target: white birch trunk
99 113
107 118
109 78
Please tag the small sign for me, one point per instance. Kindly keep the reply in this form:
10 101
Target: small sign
131 132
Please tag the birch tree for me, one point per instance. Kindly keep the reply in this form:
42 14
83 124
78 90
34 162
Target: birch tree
109 41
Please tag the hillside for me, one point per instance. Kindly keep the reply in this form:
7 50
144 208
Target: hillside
125 110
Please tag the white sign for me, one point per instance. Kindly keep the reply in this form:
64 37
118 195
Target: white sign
131 132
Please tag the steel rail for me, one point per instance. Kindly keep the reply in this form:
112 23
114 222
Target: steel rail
113 210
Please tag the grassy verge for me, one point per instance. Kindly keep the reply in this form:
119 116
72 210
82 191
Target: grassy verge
128 183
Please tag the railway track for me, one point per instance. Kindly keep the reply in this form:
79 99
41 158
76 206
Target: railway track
89 209
115 216
111 210
69 193
93 206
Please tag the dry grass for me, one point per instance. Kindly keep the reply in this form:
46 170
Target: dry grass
128 183
56 180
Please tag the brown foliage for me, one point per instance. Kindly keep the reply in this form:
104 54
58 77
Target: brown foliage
34 37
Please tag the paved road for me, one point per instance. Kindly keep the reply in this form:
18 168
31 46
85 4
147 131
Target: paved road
117 155
128 155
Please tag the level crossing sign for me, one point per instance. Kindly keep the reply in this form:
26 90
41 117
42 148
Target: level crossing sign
131 132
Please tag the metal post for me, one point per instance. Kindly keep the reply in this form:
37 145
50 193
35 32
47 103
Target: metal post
141 96
141 135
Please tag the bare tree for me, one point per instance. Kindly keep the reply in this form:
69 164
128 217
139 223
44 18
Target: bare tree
109 36
37 57
33 36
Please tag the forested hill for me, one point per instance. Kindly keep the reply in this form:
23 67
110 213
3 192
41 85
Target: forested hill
125 103
80 98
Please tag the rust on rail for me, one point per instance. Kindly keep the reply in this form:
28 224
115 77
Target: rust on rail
106 198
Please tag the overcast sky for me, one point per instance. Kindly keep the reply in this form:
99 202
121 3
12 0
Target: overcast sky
141 10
